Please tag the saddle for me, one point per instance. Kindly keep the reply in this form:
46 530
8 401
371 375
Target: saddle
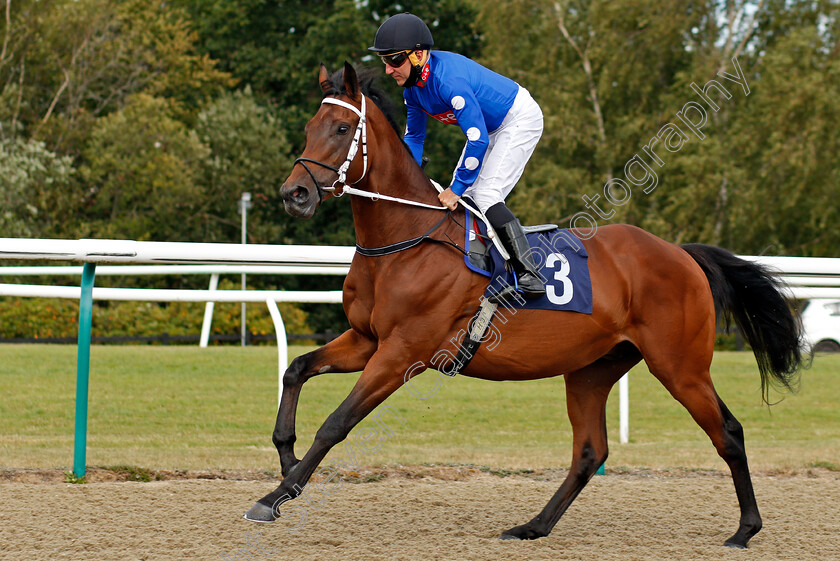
479 248
563 264
559 254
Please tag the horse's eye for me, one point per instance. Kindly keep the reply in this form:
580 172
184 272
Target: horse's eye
343 129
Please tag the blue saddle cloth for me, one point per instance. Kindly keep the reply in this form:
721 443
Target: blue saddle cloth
559 254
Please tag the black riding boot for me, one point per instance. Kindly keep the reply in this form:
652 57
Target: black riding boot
528 278
513 238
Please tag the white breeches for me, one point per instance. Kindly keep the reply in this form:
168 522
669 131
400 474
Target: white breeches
510 148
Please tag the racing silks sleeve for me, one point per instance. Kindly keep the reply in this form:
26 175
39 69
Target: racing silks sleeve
415 130
467 110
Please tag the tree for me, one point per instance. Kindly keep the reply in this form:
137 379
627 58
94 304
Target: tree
248 152
612 77
29 172
276 49
788 144
141 174
66 63
764 177
602 73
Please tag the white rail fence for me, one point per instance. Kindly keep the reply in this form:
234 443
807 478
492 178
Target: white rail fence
808 278
248 259
319 259
210 296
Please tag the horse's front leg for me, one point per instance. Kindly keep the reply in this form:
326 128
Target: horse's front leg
349 352
382 376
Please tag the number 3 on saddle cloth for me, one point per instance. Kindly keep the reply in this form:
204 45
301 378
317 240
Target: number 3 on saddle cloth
559 254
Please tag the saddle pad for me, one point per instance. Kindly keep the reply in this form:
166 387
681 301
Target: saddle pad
563 263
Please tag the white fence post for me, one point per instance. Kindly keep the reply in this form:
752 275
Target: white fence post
624 409
282 346
208 312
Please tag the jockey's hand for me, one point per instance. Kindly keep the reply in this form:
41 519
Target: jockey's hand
449 199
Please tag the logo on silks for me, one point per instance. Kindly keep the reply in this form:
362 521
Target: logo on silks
424 76
447 118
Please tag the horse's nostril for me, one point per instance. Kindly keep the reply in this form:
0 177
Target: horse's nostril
300 194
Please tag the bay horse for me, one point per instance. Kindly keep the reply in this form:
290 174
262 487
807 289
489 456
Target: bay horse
652 301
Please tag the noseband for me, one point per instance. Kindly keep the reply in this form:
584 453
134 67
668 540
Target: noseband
360 137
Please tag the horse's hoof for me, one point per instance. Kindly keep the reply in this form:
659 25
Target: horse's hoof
740 539
524 532
260 513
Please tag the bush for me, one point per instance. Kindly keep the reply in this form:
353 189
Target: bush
40 318
141 173
29 172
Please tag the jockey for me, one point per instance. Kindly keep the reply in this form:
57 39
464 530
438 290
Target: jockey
501 121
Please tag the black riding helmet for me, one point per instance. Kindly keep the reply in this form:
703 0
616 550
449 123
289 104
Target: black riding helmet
404 32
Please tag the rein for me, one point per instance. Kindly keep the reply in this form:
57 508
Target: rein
360 137
377 196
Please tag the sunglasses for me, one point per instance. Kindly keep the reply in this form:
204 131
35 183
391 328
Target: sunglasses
395 60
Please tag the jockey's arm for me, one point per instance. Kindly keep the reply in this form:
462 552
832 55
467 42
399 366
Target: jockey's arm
415 131
471 120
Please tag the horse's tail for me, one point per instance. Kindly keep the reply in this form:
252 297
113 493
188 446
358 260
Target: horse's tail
751 295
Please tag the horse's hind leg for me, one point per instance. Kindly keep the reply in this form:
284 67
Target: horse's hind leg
586 395
697 394
736 457
347 353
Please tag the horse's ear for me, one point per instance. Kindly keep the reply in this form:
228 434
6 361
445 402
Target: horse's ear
324 79
351 80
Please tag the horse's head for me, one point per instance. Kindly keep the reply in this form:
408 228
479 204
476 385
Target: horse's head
335 151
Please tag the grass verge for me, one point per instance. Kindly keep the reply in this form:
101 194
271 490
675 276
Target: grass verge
185 408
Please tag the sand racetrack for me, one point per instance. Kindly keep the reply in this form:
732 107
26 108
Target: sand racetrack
428 514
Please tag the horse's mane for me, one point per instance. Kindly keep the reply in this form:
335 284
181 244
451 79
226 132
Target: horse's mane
367 77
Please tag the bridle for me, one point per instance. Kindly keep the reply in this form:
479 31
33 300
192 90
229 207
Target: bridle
359 137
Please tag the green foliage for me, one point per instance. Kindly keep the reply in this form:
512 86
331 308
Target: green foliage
276 48
763 179
142 167
147 120
31 317
30 174
248 152
599 103
75 61
70 477
609 75
134 473
785 141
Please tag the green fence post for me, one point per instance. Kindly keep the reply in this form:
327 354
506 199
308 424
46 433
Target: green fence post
83 370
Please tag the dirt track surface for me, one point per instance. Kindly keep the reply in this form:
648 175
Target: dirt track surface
429 516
